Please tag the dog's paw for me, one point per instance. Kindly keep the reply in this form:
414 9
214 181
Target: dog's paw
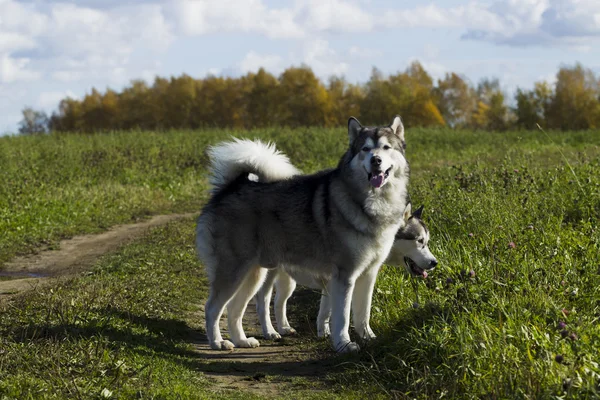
324 331
288 331
248 343
347 347
368 335
222 345
272 336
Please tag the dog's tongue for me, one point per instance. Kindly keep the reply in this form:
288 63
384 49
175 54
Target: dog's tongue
424 274
377 180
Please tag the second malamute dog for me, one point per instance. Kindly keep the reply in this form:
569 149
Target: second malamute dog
410 249
337 225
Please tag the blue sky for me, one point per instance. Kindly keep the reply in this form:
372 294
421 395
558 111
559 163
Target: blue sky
53 49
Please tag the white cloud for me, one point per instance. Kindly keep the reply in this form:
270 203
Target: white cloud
323 60
314 52
104 41
333 16
49 100
534 22
251 16
254 61
357 53
430 16
12 41
16 69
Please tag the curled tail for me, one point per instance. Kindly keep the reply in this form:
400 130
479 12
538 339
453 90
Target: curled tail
229 160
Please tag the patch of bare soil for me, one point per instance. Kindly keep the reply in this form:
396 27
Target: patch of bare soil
73 256
276 368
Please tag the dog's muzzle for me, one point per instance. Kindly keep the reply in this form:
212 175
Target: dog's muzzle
378 178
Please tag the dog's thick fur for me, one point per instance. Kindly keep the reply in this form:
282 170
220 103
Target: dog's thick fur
337 225
410 250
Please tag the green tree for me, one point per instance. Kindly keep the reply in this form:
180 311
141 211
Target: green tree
455 99
33 122
383 98
533 106
178 101
491 112
261 101
304 100
575 103
345 100
135 106
69 116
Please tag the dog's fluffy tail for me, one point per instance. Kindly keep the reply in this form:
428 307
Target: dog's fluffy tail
229 160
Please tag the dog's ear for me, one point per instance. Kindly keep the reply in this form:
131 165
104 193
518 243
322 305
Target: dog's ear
354 128
407 212
398 128
418 213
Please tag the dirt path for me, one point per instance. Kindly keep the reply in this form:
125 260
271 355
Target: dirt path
73 256
275 369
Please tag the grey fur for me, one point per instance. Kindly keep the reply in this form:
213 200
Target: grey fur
336 226
410 250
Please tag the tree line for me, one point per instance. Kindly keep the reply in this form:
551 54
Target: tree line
298 98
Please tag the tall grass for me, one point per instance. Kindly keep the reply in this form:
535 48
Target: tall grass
517 239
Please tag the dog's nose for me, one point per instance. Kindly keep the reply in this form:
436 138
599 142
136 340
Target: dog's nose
432 264
376 161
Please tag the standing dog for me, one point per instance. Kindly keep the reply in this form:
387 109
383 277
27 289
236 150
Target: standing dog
410 249
337 225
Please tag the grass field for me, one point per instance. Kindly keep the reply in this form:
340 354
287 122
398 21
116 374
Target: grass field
512 311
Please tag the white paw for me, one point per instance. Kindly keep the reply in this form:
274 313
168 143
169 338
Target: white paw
248 343
222 345
368 335
347 347
287 331
272 336
324 331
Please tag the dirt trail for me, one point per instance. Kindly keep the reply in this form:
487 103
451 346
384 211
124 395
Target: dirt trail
271 370
73 256
274 369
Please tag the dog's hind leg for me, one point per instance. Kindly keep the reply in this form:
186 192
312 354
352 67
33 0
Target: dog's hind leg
237 306
361 303
220 294
263 303
285 286
324 315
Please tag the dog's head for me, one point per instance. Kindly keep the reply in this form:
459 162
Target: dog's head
377 153
410 247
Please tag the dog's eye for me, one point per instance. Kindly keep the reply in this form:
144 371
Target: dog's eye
421 241
366 149
386 147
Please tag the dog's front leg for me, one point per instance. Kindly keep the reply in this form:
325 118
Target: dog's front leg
361 302
285 286
340 289
324 315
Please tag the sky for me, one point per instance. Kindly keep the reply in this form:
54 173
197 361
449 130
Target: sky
53 49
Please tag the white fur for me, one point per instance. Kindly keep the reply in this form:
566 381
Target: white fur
230 159
233 159
398 127
362 293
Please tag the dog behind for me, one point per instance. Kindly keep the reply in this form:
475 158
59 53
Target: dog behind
410 249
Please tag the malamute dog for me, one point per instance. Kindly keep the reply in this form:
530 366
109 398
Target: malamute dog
410 249
338 225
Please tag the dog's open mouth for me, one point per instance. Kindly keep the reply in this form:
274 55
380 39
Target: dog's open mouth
414 268
377 180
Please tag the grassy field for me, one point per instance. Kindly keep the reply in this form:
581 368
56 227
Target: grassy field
512 311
